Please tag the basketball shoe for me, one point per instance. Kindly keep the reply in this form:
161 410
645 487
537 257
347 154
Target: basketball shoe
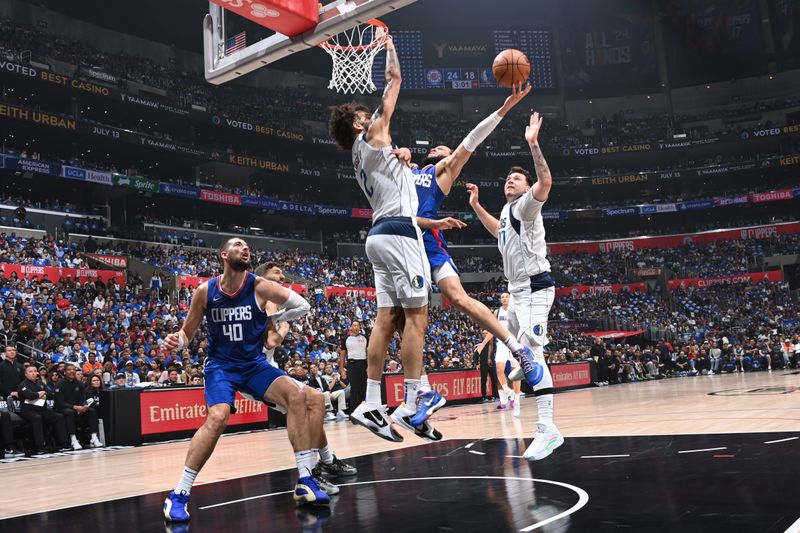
327 487
546 439
402 417
376 421
176 506
308 490
528 368
427 403
336 468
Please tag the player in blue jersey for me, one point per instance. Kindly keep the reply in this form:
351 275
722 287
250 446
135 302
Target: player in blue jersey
433 182
233 305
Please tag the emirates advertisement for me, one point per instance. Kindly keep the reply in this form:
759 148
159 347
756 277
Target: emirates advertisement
185 410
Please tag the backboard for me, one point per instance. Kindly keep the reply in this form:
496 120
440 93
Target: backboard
334 18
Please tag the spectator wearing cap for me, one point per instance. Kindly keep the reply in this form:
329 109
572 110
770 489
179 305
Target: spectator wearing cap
119 381
132 378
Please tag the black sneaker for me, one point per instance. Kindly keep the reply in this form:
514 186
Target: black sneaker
11 452
66 449
336 468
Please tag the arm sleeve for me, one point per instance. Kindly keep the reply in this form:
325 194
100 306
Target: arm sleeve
295 307
528 207
474 138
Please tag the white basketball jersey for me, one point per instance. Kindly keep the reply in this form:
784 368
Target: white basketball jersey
520 239
387 183
501 350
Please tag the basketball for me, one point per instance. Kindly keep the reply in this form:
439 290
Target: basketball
511 67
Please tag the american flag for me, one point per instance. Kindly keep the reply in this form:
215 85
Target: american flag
237 42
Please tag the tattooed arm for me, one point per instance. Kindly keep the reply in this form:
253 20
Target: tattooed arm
378 134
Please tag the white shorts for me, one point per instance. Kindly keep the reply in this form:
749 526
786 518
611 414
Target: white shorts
402 272
503 354
527 313
446 270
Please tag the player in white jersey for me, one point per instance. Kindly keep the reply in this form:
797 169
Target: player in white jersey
503 359
521 238
395 249
328 465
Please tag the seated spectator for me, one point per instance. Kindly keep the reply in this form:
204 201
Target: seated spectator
70 401
33 397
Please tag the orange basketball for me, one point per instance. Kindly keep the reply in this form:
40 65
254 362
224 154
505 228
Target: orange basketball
511 67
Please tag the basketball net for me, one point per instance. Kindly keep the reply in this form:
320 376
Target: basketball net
353 52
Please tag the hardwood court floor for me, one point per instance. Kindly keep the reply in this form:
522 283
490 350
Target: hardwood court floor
704 405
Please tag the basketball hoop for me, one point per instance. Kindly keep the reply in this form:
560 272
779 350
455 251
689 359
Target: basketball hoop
353 52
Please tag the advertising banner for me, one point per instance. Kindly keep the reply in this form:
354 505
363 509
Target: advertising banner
220 197
571 375
115 261
168 411
752 277
7 270
579 290
456 385
195 281
358 292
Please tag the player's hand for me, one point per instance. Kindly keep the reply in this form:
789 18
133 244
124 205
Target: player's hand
518 92
174 341
448 223
389 43
403 154
532 129
473 191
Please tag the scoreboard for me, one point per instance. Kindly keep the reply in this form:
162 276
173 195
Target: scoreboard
447 62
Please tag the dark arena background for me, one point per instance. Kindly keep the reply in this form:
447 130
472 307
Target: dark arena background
672 132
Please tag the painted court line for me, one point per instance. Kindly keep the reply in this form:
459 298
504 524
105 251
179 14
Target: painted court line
794 528
476 452
704 450
583 497
781 440
604 456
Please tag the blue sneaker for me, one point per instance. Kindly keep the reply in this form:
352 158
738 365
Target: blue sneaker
528 368
508 369
427 404
308 490
176 507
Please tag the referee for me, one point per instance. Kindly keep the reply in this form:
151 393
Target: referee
354 350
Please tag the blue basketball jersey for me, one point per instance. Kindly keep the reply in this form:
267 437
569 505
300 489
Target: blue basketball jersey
430 199
235 323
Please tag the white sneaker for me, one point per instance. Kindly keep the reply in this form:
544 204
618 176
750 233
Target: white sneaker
376 421
516 410
95 442
330 416
341 415
546 439
402 417
75 444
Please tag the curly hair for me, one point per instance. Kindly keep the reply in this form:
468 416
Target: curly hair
340 125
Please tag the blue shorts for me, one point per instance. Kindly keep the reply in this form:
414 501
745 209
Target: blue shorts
223 380
436 249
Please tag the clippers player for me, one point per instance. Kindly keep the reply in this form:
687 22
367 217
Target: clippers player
233 305
394 247
433 183
521 238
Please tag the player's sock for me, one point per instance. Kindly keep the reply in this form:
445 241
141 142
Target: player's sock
424 384
517 396
544 403
412 387
306 461
373 394
512 343
326 454
187 480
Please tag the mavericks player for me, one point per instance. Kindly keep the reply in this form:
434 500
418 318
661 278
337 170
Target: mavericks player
329 464
394 247
520 237
433 182
504 360
233 305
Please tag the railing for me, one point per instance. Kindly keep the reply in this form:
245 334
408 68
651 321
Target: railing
34 356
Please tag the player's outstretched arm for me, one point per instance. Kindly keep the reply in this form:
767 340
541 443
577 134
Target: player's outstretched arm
181 339
544 180
293 305
378 133
440 224
275 332
491 224
449 168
